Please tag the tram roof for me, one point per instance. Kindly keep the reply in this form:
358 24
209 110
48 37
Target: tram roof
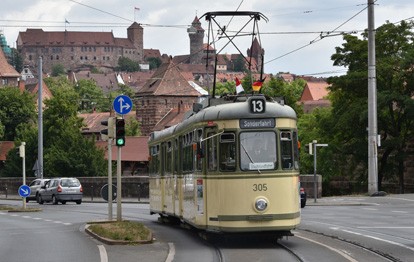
225 110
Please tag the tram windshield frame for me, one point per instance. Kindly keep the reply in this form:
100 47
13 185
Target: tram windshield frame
258 150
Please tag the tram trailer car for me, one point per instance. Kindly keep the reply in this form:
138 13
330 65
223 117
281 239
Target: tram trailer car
231 166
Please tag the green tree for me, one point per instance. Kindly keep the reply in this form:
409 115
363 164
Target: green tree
132 127
16 107
154 62
16 60
58 70
239 64
291 92
128 65
67 152
91 96
395 89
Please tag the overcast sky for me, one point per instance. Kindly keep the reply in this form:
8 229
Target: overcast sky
292 25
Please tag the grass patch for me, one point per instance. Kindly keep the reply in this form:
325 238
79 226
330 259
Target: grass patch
19 209
124 230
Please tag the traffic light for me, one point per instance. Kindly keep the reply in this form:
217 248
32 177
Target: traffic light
120 132
110 131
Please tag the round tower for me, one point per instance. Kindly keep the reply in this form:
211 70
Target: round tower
136 35
196 34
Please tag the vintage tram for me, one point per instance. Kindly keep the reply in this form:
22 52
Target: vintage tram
232 166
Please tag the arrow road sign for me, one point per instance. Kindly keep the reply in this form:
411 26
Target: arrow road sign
122 104
24 191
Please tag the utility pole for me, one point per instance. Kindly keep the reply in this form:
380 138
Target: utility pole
372 105
40 121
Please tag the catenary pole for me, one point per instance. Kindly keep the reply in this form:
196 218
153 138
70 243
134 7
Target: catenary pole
40 122
372 105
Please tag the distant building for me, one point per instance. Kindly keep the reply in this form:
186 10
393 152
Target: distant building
315 95
8 75
165 92
79 49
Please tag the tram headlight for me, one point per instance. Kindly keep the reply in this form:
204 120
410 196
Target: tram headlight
260 204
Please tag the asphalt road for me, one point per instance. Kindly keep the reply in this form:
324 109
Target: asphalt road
333 229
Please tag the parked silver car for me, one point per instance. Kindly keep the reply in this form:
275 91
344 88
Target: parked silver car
61 190
35 187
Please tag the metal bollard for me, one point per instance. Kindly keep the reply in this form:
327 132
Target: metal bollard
92 193
139 192
6 191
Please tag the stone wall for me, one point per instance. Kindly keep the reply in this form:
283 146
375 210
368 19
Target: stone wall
132 186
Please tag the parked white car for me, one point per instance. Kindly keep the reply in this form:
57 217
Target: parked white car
35 187
61 190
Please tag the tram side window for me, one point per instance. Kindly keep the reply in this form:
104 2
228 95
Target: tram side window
227 152
168 159
187 155
212 152
295 150
176 160
286 149
154 167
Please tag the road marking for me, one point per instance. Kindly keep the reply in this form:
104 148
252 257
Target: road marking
379 227
400 198
102 253
171 252
379 239
346 256
400 212
373 209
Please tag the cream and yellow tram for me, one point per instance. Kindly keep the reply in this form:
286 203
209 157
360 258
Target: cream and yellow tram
229 167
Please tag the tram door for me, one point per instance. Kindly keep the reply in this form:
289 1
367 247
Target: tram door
168 203
210 158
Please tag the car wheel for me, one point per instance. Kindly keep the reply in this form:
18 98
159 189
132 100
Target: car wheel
54 200
79 202
40 200
63 202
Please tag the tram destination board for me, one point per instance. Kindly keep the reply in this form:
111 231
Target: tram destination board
257 123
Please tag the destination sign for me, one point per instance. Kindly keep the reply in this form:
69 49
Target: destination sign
257 123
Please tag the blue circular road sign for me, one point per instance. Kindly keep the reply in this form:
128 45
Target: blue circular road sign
122 104
24 191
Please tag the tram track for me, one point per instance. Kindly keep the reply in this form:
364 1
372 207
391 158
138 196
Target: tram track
378 253
293 253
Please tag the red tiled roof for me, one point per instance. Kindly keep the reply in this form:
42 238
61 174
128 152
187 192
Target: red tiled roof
168 80
5 147
314 91
92 121
152 53
67 38
135 149
6 70
173 117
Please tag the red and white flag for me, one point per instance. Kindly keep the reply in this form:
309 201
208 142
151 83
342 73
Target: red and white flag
239 87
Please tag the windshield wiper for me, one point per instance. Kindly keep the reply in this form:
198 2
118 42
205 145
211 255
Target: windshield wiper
248 155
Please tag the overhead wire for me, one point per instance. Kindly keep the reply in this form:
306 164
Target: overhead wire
319 37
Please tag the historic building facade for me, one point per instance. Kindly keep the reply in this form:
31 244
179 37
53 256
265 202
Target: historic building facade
79 49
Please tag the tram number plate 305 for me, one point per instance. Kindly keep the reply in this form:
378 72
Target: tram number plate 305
260 187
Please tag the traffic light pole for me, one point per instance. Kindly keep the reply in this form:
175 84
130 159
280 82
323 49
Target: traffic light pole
315 182
109 179
118 187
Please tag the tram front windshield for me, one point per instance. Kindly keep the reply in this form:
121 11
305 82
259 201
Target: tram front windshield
258 150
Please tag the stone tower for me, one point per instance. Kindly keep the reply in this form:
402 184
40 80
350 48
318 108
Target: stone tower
196 34
136 35
256 51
